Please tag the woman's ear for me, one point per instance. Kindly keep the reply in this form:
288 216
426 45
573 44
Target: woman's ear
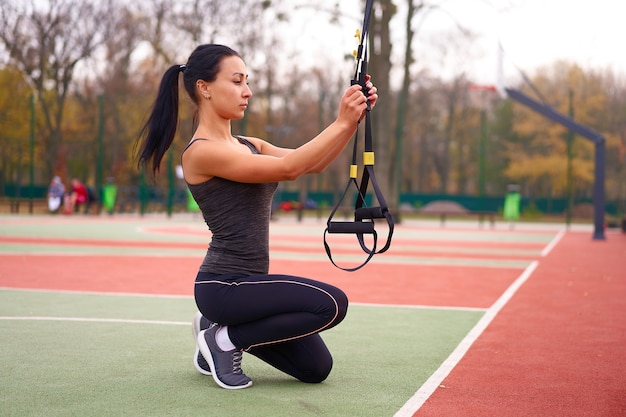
203 89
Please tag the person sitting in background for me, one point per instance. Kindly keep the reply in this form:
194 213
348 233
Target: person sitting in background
76 197
56 191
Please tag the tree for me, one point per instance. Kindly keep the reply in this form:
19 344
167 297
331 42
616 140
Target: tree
502 133
615 118
15 114
127 93
173 29
538 161
46 40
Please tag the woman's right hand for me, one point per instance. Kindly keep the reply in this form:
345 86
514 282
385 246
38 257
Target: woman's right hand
352 105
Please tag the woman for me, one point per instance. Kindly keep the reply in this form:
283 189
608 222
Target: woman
232 178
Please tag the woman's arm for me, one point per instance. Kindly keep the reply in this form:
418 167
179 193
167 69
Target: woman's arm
269 149
225 160
325 162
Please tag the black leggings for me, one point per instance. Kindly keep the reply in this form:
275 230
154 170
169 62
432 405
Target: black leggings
276 318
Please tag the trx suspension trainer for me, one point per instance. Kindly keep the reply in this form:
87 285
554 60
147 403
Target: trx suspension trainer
364 217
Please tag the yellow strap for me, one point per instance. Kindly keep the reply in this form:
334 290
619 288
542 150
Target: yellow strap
353 171
368 158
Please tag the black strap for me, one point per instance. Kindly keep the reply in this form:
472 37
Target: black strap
364 217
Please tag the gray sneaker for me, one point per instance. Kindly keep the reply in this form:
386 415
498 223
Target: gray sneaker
200 323
225 366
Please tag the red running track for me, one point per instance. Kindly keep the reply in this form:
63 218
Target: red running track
558 348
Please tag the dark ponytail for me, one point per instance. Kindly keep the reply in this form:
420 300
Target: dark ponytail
158 133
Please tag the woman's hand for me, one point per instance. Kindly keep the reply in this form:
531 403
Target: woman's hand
371 90
354 102
372 94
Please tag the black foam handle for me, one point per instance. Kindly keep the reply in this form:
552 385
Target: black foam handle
369 213
350 227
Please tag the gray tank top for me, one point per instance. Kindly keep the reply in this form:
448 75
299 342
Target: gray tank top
238 216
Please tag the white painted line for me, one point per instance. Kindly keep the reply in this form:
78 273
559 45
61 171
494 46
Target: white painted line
145 295
419 307
553 243
97 320
419 398
113 294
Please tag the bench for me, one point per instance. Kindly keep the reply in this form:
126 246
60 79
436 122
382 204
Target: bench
444 208
482 215
17 205
14 205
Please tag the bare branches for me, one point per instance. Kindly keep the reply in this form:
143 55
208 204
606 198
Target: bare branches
46 40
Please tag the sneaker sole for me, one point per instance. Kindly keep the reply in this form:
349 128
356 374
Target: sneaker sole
197 365
206 352
195 329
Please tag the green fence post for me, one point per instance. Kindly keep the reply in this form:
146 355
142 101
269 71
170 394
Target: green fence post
171 183
100 156
569 182
31 184
143 194
482 158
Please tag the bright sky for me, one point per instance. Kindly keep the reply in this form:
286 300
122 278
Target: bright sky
533 33
536 33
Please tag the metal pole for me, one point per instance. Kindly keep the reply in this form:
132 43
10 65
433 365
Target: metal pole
598 190
143 192
31 184
482 143
171 183
570 140
398 157
320 127
100 157
482 152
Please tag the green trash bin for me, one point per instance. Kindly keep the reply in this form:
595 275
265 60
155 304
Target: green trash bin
512 203
109 194
192 206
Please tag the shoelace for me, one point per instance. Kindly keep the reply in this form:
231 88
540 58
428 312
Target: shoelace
237 356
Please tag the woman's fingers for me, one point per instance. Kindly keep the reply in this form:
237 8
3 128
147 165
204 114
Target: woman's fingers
355 102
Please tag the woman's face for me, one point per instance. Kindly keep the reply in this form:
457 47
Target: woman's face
229 93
